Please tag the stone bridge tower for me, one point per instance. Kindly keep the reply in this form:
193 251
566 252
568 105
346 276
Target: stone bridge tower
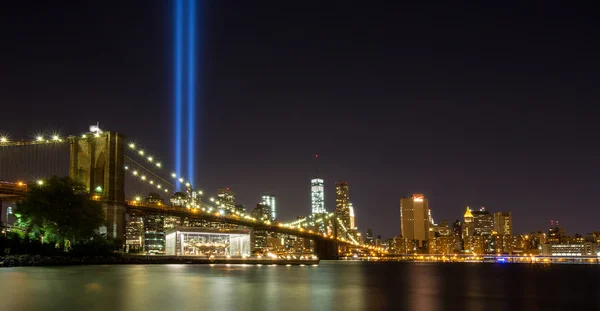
97 161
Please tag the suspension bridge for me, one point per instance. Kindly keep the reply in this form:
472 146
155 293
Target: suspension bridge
104 161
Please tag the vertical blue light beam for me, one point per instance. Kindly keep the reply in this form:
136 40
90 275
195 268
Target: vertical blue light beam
191 88
178 85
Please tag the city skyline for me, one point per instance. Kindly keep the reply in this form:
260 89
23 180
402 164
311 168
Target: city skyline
494 116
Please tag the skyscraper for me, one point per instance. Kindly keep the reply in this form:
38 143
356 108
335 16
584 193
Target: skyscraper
467 228
415 219
342 205
317 191
483 223
369 236
352 216
503 223
227 198
269 200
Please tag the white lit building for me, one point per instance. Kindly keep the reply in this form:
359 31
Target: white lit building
190 241
317 191
269 200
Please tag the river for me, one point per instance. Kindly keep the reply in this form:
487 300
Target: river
328 286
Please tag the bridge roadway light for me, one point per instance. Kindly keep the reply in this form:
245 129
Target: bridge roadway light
132 146
55 137
40 182
39 138
3 139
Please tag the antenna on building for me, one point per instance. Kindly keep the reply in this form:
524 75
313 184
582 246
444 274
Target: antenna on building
317 164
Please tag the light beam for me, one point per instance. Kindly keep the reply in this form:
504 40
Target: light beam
178 84
191 87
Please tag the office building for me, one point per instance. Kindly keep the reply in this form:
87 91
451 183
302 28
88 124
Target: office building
352 217
317 192
467 227
226 197
483 223
342 205
503 223
269 200
240 208
414 219
369 237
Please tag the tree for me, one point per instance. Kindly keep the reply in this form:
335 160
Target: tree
61 211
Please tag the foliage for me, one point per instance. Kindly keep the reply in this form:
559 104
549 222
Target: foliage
59 211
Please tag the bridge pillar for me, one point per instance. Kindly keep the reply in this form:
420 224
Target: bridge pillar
326 249
97 161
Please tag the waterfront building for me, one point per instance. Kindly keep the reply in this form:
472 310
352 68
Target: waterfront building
476 244
444 245
134 234
154 234
186 241
503 223
269 199
570 249
403 246
317 194
415 219
226 197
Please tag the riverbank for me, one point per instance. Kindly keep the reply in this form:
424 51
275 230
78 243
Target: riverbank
38 260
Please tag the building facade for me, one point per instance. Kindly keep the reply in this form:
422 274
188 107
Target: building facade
317 195
414 219
503 223
226 197
342 205
269 200
483 222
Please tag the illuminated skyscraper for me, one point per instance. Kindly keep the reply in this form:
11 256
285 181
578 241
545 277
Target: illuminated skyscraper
227 198
415 219
503 223
483 223
317 191
467 228
342 205
270 201
352 217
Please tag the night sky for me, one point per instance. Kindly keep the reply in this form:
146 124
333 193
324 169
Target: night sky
479 106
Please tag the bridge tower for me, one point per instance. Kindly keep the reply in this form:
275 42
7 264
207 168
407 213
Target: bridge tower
97 161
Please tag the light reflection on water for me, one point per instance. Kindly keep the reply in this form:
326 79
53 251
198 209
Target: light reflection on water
328 286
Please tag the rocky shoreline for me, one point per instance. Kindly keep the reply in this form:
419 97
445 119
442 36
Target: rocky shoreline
39 261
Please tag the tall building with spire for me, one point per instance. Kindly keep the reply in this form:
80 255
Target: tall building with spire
415 219
467 227
317 191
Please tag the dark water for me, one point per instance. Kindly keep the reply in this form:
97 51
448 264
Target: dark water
329 286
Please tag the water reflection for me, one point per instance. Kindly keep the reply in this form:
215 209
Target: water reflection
329 286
